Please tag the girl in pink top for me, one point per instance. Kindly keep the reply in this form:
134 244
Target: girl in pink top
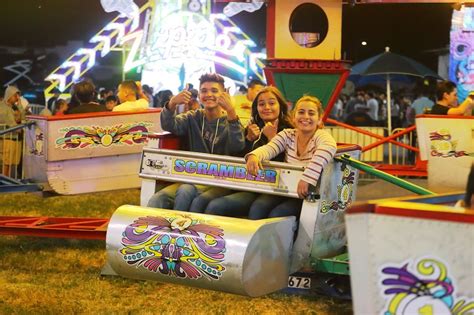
306 145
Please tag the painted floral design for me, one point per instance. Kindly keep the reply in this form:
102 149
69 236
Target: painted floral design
425 290
177 246
344 192
123 134
442 145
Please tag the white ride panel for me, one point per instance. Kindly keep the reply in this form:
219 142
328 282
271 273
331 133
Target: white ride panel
448 144
84 153
411 258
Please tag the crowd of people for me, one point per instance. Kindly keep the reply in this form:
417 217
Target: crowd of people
367 108
258 124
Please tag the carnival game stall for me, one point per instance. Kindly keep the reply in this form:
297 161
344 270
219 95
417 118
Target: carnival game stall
411 256
447 143
222 253
83 153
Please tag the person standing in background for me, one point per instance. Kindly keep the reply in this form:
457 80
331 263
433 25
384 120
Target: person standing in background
243 103
110 102
10 98
61 107
372 106
12 144
422 104
84 93
131 97
447 96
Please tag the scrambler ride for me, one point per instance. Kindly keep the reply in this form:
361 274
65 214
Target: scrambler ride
235 255
255 257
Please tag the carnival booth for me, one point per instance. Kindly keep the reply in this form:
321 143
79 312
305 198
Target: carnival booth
222 253
412 256
83 153
447 143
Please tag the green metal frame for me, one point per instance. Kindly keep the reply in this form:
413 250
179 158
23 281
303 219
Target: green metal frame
382 175
335 265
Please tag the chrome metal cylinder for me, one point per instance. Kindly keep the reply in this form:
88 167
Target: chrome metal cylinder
221 253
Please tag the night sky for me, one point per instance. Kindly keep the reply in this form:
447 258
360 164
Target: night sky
409 29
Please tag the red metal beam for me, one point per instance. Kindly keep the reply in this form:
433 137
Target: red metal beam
402 170
76 228
394 136
335 94
371 134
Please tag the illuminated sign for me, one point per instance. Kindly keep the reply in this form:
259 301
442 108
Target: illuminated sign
183 45
83 59
180 46
461 63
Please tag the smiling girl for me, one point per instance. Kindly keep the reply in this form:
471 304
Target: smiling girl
307 145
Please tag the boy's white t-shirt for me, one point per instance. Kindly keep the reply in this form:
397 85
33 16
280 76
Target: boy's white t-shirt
129 106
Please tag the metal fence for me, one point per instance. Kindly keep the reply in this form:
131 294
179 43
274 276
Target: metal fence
395 153
35 109
400 155
344 135
11 152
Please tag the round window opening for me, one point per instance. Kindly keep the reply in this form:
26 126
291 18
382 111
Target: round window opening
308 25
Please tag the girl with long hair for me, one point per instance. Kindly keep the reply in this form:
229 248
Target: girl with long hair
269 116
306 145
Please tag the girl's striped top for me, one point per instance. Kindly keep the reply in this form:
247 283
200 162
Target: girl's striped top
319 152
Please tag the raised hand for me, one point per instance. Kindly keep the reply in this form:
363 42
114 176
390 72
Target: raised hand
225 101
270 129
182 97
253 132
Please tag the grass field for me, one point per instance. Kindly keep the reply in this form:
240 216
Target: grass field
56 276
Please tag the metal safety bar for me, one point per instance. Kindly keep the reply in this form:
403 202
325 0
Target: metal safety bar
383 175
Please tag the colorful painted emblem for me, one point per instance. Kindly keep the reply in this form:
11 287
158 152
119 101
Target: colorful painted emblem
177 246
426 289
344 192
123 134
442 145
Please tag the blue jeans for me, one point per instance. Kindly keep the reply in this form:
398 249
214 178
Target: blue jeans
176 196
204 197
269 206
236 204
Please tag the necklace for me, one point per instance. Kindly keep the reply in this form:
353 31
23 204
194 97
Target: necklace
215 133
302 146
